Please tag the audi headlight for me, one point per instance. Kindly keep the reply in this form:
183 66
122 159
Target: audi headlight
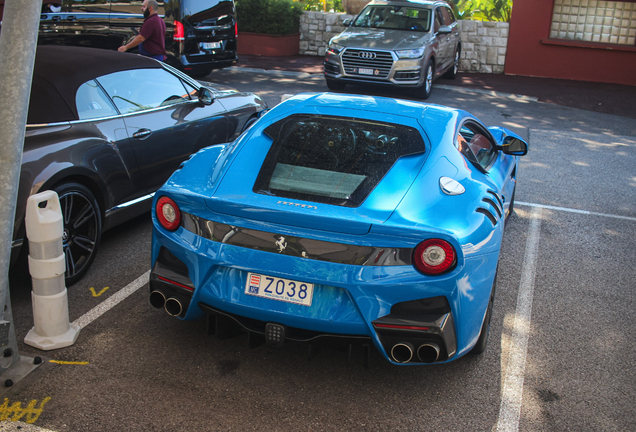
410 54
335 48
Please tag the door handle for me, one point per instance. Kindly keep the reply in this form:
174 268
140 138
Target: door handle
71 18
142 134
55 18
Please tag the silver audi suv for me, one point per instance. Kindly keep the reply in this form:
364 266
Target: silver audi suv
402 43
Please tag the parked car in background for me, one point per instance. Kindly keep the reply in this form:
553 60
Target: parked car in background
106 129
200 34
398 42
342 219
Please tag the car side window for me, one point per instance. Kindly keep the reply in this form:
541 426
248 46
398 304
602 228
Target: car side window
90 6
451 15
92 102
144 89
473 142
439 20
446 15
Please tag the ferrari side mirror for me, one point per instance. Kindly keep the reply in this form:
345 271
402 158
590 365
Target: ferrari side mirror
514 146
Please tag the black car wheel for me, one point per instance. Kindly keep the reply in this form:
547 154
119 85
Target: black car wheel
335 85
452 72
424 91
480 346
82 229
201 73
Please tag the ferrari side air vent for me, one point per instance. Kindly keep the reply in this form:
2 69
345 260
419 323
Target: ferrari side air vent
497 197
488 214
492 203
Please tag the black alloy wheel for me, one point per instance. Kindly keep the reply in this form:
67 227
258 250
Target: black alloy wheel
82 229
424 91
452 72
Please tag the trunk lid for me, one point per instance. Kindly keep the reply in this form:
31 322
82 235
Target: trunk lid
319 172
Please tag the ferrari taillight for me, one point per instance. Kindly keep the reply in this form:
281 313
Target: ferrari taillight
179 33
434 256
168 213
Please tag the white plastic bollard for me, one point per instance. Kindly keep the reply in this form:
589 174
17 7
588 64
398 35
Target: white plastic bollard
44 227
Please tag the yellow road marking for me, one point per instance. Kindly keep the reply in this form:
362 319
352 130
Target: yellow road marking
15 412
68 362
95 294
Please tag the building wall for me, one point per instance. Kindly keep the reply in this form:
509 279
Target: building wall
484 44
532 52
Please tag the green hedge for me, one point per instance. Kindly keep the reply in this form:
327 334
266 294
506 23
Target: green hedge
277 17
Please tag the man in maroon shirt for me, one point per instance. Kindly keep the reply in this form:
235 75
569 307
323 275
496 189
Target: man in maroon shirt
152 37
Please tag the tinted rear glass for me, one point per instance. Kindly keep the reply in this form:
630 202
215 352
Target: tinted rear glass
198 11
333 160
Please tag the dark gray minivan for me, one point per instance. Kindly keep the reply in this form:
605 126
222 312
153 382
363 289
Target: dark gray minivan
200 34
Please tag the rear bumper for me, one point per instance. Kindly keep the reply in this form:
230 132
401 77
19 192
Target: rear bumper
351 302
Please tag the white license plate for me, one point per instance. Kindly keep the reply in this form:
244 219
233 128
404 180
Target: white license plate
210 45
274 288
365 71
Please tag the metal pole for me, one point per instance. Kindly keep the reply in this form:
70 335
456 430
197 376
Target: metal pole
18 39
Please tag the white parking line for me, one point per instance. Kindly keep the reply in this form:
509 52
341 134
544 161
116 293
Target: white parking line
569 210
512 392
112 301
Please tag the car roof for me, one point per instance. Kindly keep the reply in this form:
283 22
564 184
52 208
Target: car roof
60 70
407 2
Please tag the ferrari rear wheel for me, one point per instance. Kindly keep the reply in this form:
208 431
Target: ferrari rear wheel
511 207
480 346
82 229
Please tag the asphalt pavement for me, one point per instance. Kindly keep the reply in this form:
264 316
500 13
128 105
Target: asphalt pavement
561 350
615 99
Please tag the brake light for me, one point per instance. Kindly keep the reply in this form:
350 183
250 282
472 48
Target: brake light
434 256
170 281
168 213
235 30
402 327
179 33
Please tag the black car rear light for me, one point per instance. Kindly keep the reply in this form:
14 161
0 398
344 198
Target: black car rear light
179 32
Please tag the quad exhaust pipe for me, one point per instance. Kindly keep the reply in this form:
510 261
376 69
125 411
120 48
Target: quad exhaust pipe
157 299
402 352
172 306
428 352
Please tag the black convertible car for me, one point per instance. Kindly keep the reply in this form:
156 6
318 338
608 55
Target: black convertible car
106 129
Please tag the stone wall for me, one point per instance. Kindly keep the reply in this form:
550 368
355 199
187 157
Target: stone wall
317 28
484 43
484 46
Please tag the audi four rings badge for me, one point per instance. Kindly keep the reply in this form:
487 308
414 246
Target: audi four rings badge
366 55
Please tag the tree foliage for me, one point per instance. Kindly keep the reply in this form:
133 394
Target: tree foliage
276 17
322 5
482 10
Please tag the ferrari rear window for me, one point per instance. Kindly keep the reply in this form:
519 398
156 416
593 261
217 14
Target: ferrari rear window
333 160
